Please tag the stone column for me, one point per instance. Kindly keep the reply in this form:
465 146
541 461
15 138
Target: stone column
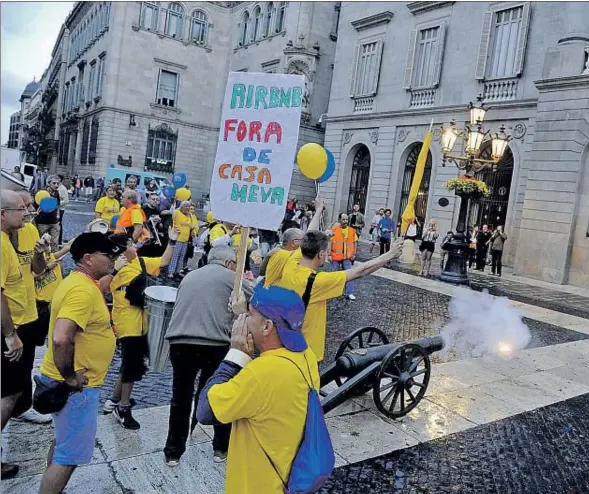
553 189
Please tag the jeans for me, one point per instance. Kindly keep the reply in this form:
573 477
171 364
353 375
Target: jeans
187 360
344 265
265 247
496 261
385 245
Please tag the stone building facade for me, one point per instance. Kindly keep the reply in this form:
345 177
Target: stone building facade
143 82
400 66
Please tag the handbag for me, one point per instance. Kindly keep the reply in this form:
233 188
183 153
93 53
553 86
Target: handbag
50 397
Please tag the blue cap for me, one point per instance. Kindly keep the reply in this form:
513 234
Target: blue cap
286 310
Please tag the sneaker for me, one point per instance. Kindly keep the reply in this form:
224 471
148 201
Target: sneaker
9 471
351 296
110 405
219 456
124 416
33 417
172 462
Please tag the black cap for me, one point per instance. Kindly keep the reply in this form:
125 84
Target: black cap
92 242
121 239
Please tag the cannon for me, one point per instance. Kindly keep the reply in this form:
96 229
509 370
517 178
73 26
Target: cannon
397 373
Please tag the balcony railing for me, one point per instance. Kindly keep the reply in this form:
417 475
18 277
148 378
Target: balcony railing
363 105
502 90
422 98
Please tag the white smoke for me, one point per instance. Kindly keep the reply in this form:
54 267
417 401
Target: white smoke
481 324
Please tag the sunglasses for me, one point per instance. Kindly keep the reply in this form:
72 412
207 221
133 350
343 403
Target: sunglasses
110 256
24 210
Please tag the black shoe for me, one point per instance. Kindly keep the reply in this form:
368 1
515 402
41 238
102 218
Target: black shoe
124 416
9 471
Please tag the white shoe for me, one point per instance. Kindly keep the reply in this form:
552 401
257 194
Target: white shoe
109 406
33 417
219 456
351 297
172 463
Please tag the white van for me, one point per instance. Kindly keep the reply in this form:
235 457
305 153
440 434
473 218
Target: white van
12 158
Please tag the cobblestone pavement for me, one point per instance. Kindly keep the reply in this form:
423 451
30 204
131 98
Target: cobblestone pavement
404 313
568 303
538 452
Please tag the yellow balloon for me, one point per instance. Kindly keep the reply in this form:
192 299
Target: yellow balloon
183 194
312 160
39 196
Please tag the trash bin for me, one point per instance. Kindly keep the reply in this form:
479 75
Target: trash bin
159 303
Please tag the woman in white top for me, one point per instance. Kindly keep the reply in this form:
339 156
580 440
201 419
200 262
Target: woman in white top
427 247
412 230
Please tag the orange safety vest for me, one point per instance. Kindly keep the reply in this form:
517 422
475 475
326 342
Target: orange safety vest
340 248
125 222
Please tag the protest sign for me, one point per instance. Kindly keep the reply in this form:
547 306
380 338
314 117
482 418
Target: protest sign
258 139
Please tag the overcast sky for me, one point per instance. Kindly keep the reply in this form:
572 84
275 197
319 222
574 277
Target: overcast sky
29 31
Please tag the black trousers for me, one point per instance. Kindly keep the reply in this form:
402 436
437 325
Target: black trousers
481 257
385 245
496 261
472 254
187 360
61 213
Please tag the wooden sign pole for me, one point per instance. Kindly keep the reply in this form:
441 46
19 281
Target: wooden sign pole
241 256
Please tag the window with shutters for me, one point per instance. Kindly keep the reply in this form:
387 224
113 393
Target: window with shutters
85 142
167 89
424 74
503 41
269 19
258 19
175 21
281 18
100 77
149 16
91 82
367 69
199 26
93 142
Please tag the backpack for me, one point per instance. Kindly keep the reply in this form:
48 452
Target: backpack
134 291
314 460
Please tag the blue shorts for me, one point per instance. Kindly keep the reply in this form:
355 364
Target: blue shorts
75 427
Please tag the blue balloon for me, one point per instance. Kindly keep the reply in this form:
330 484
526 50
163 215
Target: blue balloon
179 179
114 219
48 205
169 191
330 170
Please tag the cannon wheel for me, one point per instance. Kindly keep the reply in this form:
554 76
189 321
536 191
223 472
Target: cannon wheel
367 337
401 380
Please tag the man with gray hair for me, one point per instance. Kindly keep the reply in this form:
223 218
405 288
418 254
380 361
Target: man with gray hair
273 264
200 336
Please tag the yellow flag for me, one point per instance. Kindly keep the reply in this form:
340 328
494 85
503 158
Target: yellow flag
409 213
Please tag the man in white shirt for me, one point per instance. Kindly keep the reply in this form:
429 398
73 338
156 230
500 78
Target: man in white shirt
63 200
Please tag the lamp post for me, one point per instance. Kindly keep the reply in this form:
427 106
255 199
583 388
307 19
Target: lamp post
474 136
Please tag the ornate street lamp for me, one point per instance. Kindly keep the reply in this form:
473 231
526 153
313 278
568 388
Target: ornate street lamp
468 187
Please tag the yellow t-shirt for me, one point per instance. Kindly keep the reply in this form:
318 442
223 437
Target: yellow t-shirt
28 236
47 282
345 232
79 299
108 208
186 225
267 406
275 266
326 286
128 319
217 232
13 286
237 241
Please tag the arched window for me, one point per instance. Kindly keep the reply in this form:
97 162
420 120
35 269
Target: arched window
175 20
423 193
244 28
257 24
359 179
199 26
281 17
269 19
492 210
149 16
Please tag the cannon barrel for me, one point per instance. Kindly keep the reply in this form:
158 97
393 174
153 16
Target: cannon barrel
354 361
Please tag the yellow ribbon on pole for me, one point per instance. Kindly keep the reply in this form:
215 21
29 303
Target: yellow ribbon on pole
409 213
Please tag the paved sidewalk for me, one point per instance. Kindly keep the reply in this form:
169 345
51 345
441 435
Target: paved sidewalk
562 298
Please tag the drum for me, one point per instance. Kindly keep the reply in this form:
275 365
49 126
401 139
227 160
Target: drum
159 303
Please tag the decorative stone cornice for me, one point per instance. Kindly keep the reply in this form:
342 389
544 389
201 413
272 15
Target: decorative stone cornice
420 7
570 82
373 20
169 64
270 63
